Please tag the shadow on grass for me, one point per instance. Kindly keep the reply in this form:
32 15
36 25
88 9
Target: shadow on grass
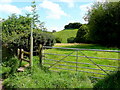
87 46
90 46
112 81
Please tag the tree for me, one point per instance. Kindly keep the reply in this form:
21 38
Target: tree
53 31
71 40
82 34
37 23
75 25
104 23
16 34
15 26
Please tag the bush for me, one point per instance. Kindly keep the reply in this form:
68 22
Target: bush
82 34
112 81
9 67
71 40
23 41
58 40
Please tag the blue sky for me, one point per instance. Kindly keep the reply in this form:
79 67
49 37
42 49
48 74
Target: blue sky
54 13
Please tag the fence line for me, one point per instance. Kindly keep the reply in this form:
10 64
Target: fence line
20 54
76 60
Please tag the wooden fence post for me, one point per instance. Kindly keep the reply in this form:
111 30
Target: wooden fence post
18 53
21 55
40 54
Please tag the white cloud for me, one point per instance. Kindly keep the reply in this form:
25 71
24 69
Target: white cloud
86 7
9 9
103 0
57 28
27 8
54 10
70 2
83 10
5 1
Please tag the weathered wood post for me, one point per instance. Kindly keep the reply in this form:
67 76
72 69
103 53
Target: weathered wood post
20 55
40 54
31 43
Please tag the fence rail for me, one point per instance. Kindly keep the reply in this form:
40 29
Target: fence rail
76 49
79 67
82 56
84 63
20 54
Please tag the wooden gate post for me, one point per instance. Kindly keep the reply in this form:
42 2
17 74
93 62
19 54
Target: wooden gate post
40 54
20 55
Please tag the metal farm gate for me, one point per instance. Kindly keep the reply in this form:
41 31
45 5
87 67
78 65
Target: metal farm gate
78 60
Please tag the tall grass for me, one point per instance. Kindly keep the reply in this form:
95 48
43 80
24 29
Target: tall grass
43 78
112 81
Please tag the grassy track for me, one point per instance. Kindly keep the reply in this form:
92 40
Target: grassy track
82 59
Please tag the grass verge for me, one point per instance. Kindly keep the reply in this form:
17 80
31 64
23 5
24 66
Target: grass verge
43 78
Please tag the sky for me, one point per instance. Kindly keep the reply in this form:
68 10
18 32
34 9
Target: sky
54 13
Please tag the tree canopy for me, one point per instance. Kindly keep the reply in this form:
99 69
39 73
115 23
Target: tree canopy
104 23
82 34
75 25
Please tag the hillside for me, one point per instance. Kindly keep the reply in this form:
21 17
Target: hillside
65 34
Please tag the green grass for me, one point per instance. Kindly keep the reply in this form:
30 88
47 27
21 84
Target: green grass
82 59
65 34
43 78
112 81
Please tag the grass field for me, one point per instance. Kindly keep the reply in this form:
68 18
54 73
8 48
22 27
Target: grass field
65 34
43 78
83 67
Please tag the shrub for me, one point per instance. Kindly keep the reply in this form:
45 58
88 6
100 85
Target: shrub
9 67
58 40
23 41
112 81
71 40
82 34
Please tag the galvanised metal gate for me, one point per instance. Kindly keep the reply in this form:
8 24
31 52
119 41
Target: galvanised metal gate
96 69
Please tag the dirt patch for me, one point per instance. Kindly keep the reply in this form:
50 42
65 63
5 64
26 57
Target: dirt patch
67 44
